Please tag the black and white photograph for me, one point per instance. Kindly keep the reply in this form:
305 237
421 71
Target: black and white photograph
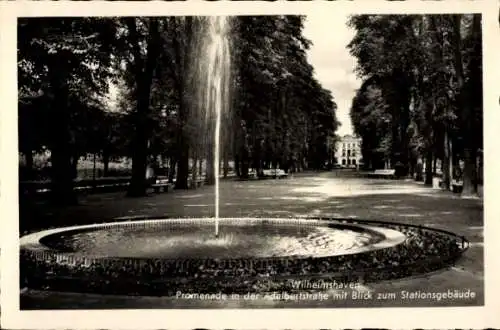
281 161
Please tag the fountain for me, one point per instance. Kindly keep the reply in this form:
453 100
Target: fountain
217 86
153 256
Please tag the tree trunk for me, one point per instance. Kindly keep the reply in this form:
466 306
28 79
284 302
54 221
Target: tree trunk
194 168
475 170
181 48
200 168
138 183
467 117
468 175
74 166
183 165
451 165
94 168
225 168
144 76
428 167
439 40
105 160
29 164
245 169
172 171
446 162
237 166
405 120
183 146
475 87
210 178
62 191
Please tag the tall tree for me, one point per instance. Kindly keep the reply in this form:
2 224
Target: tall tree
465 95
143 67
372 119
276 84
439 58
65 59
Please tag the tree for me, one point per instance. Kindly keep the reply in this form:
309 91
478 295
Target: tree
466 95
389 58
33 113
371 120
65 59
286 115
434 62
142 69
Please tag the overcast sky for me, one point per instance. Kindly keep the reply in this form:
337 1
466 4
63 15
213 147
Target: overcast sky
332 62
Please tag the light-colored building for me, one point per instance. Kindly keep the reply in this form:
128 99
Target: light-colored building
348 151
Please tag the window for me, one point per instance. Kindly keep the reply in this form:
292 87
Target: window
343 161
354 153
354 162
348 153
343 153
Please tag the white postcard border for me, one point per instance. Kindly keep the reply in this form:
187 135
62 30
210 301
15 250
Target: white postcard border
464 317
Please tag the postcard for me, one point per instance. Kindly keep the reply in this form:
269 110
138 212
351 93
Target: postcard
256 165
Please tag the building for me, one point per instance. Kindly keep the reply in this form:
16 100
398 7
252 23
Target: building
348 151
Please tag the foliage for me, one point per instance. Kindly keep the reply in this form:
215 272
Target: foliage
429 88
286 113
63 69
280 115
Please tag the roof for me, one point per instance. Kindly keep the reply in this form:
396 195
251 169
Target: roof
350 136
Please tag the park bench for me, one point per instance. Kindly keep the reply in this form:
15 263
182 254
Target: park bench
385 173
100 185
457 186
162 185
281 174
275 173
193 184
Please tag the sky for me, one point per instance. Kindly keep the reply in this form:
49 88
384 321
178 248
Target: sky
333 65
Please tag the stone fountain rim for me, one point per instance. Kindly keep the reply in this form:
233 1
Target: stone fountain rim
31 242
391 237
162 285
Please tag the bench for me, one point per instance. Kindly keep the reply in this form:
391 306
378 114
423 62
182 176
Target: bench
252 174
196 183
100 185
281 174
457 186
103 188
386 173
277 173
162 186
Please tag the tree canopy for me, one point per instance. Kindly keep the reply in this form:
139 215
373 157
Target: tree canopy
422 91
279 114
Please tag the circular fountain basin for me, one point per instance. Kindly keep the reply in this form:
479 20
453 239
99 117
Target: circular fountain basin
161 257
195 238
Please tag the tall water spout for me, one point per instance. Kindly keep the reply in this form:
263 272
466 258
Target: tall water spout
217 66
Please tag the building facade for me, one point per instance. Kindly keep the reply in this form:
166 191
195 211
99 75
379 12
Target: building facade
348 151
